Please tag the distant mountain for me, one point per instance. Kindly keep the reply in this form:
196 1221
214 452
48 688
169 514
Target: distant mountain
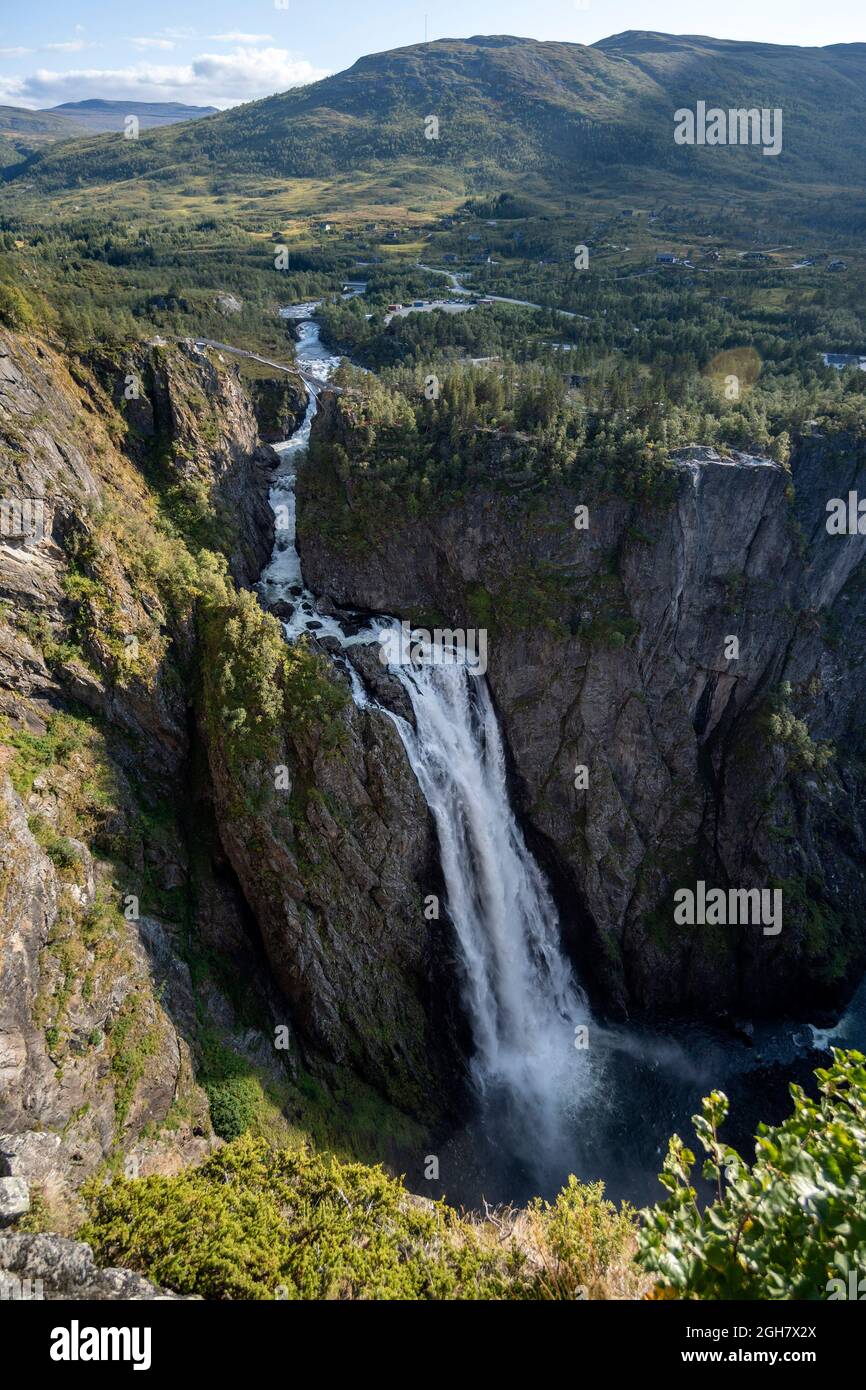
557 111
97 116
23 132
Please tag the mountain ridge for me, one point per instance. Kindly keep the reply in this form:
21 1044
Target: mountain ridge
505 105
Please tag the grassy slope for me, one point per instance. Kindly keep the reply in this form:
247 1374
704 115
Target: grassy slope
506 105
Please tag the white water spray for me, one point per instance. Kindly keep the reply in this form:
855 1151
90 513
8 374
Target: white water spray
525 1008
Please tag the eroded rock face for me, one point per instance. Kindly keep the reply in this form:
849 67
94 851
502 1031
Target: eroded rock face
195 425
280 404
98 890
54 1268
336 862
609 649
145 926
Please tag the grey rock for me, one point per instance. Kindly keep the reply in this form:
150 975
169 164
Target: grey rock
54 1267
623 669
32 1154
14 1199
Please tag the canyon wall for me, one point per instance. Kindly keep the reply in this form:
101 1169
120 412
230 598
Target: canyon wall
609 650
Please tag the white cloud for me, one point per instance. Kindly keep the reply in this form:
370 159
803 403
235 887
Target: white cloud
14 52
70 46
153 43
211 79
234 37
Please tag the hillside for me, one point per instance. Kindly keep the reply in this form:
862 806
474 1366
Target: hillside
506 104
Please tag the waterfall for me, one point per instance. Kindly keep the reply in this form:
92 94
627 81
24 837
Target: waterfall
524 1006
530 1067
541 1101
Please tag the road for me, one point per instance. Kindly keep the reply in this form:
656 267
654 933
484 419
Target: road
459 288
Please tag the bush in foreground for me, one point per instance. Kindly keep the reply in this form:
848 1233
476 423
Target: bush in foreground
255 1222
790 1225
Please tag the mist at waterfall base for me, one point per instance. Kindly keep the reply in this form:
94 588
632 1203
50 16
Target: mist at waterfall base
555 1091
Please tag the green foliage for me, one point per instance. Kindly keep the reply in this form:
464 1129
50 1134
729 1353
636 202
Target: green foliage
133 1037
583 1238
15 309
262 1223
782 1227
60 850
64 736
254 681
234 1091
254 1222
803 754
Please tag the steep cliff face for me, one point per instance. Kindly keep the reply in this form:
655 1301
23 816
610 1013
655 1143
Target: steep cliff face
279 403
610 649
191 427
331 839
109 910
186 950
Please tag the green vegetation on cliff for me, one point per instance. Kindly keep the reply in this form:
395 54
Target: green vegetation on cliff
264 1223
256 1222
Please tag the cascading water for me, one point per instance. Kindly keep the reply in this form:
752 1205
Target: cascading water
523 1004
544 1111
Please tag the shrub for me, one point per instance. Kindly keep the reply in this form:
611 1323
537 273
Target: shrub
257 1222
16 310
584 1244
783 1227
233 1105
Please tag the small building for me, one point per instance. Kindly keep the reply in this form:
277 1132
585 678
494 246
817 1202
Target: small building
838 265
666 258
841 360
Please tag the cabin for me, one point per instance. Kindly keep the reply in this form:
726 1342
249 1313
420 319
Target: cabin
666 258
841 360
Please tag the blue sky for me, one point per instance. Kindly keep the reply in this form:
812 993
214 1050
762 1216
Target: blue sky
220 52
